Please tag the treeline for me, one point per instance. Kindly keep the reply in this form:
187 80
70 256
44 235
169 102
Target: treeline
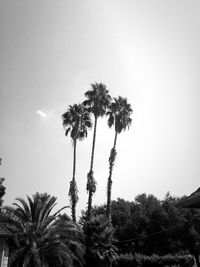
143 232
150 226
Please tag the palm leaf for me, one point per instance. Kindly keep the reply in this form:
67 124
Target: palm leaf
44 238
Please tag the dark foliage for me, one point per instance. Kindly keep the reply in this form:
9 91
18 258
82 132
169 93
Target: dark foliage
2 188
151 226
40 238
100 247
138 260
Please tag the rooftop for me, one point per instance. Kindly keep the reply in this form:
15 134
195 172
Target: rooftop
192 201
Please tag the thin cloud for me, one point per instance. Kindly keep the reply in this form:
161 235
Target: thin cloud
43 114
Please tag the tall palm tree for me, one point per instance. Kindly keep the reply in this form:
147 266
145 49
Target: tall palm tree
76 121
40 238
119 115
97 103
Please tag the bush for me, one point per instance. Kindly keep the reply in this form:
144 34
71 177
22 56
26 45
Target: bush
138 260
99 236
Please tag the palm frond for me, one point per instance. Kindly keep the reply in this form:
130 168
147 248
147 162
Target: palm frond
41 237
111 120
67 131
26 208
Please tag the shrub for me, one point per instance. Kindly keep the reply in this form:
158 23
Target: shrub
139 260
99 237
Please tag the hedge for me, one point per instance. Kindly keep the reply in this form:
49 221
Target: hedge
138 260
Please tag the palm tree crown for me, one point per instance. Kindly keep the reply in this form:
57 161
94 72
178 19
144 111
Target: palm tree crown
97 100
38 238
119 114
76 121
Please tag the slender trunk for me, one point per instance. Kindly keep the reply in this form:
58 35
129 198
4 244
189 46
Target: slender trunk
90 180
91 172
74 161
93 144
115 140
109 185
89 205
74 184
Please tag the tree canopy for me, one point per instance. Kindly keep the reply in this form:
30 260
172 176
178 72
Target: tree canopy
149 226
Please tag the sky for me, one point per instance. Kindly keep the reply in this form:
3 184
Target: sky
50 53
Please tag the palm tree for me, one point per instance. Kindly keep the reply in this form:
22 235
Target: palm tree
39 238
101 250
76 121
119 115
97 103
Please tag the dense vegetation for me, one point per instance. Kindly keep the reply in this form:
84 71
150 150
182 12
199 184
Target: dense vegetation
148 226
40 238
144 232
129 260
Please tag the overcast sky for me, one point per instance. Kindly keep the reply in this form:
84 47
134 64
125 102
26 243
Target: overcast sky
147 50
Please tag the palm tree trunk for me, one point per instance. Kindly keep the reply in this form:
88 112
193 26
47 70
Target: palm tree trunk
109 185
93 144
74 185
74 161
115 140
90 174
89 205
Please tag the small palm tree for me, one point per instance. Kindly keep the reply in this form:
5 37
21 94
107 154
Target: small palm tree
39 238
100 251
76 121
97 103
119 115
